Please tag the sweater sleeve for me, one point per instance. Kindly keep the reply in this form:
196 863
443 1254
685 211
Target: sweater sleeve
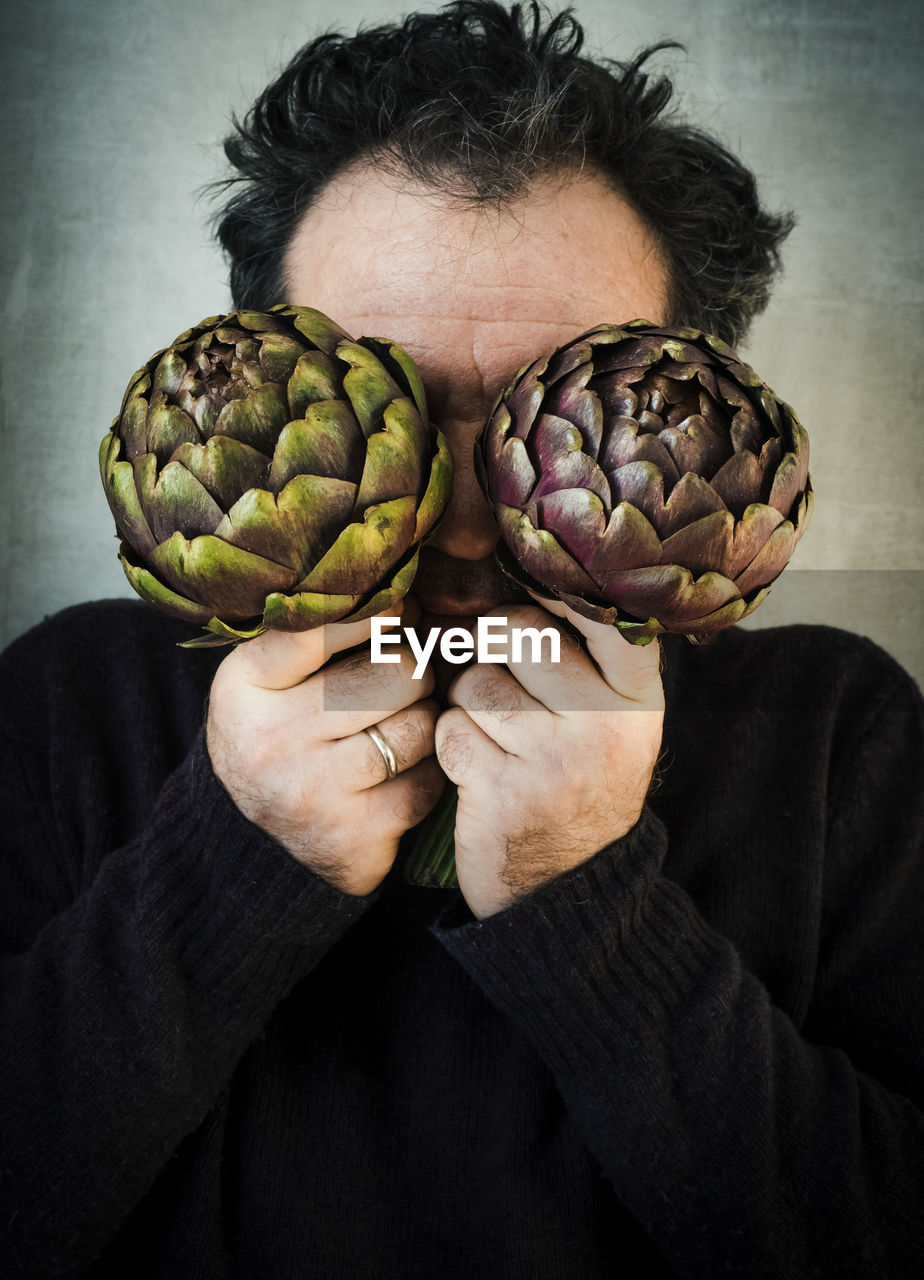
742 1143
132 982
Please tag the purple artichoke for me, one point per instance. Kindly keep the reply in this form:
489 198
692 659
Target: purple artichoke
266 470
648 478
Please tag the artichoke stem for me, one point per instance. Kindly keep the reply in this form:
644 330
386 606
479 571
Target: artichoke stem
431 862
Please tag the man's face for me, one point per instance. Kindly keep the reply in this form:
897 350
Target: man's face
472 294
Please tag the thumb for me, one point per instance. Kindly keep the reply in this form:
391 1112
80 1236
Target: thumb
631 670
283 659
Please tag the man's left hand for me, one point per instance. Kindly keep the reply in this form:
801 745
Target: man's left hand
552 760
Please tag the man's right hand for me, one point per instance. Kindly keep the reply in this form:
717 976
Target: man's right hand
286 741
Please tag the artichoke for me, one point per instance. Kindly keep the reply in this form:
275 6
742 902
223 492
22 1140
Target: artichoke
647 477
265 470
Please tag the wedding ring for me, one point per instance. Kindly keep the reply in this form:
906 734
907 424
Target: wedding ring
391 764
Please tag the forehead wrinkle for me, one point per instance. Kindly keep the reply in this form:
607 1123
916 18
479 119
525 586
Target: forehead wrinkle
474 295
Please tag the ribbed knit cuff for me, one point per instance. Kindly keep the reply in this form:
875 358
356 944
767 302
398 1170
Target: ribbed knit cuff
239 908
603 954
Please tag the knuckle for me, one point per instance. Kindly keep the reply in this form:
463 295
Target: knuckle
354 664
350 682
454 747
527 615
412 734
490 692
408 665
418 795
571 644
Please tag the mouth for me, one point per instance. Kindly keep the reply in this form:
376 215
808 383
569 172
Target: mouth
451 591
454 593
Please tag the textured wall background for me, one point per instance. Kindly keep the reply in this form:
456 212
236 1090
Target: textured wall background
111 123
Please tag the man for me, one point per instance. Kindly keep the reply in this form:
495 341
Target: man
662 1030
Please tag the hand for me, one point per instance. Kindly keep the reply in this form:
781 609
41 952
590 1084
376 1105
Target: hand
286 740
552 761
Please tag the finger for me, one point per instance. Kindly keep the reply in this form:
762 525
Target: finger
465 752
355 692
283 659
631 670
392 807
499 705
548 661
410 735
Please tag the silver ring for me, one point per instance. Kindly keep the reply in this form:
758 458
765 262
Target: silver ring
391 764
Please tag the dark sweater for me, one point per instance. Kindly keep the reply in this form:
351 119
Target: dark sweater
697 1054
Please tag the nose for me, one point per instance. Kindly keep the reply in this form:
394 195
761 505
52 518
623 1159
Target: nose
468 529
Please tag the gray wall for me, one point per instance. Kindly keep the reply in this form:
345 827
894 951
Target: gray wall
111 123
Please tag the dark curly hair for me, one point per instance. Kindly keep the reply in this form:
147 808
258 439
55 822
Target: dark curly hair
479 101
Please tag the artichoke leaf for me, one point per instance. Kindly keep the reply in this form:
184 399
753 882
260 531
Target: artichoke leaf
256 321
797 435
256 417
805 511
319 329
684 359
140 382
167 428
727 615
631 629
367 385
326 442
624 445
220 633
229 335
389 595
739 482
525 400
230 582
636 353
695 446
556 450
572 400
174 500
364 552
564 362
155 592
599 540
541 554
670 593
279 355
641 484
771 407
226 467
395 456
391 354
510 475
132 426
770 561
122 495
787 485
437 493
513 473
169 372
315 377
305 610
294 527
718 541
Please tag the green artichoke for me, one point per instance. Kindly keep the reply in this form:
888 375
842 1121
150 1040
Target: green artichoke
648 478
265 470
